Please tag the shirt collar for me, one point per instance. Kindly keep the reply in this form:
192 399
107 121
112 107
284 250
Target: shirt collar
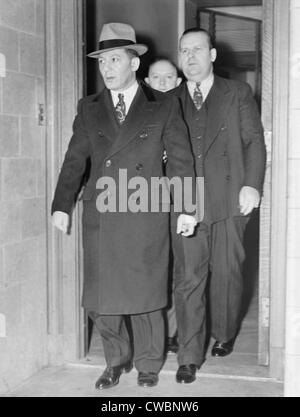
129 94
204 87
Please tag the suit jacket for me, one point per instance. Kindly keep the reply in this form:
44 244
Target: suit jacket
125 254
234 150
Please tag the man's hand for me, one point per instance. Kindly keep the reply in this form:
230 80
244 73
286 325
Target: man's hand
186 224
249 199
60 220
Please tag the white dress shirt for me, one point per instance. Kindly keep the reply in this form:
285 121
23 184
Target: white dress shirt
204 87
128 95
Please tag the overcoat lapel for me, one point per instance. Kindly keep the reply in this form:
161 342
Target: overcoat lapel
218 103
139 114
102 116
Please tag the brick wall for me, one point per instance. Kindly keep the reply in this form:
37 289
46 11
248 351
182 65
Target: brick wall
292 365
22 192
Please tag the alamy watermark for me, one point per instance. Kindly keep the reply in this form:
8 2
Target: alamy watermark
160 194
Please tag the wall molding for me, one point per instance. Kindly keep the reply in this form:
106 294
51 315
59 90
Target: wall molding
265 209
63 89
279 181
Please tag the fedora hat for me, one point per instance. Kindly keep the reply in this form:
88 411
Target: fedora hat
117 35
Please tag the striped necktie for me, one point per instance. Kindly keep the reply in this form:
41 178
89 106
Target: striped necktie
197 97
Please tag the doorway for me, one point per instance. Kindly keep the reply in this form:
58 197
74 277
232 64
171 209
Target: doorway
258 262
237 33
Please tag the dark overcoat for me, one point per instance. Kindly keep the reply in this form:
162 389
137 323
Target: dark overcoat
234 152
125 254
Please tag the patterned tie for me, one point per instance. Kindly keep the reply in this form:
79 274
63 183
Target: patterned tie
121 109
197 97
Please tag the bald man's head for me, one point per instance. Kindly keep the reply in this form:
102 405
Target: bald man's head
163 75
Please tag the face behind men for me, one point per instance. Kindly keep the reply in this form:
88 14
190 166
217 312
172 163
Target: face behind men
195 56
118 69
162 76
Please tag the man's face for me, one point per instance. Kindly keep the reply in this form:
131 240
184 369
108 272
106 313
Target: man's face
195 56
118 69
163 76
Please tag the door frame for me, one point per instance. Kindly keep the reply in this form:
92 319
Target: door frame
275 104
65 87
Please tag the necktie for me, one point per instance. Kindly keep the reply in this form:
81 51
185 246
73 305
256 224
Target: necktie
121 109
197 97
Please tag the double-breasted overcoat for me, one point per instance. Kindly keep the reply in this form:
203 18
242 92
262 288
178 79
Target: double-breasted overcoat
126 254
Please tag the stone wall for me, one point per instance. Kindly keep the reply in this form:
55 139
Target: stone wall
23 302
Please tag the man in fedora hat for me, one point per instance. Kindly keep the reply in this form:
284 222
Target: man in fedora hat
125 128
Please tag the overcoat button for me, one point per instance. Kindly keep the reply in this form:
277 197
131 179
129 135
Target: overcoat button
108 163
223 127
100 133
143 135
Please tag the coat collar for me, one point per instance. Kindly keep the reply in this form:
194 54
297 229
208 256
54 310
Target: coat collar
140 111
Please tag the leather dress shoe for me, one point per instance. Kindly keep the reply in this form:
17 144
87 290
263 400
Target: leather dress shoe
111 376
222 348
186 374
172 345
147 379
